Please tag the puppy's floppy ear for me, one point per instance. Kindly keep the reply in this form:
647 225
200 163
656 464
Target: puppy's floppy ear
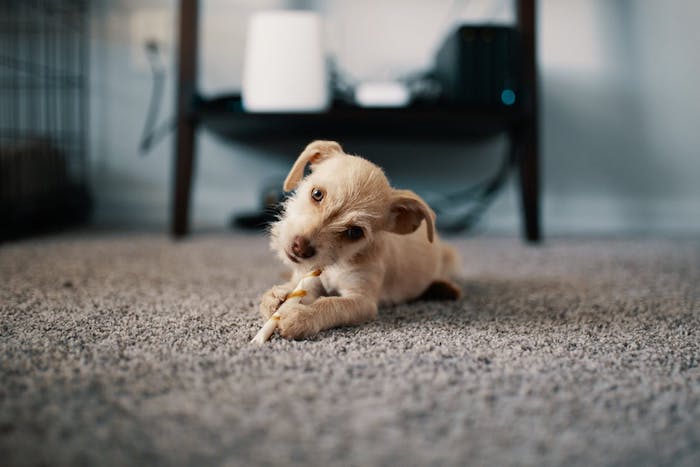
314 153
406 211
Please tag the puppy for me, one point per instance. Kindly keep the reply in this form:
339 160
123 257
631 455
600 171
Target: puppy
375 244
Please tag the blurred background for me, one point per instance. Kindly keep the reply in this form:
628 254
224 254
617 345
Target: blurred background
619 107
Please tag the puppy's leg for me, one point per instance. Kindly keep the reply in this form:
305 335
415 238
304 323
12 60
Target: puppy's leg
273 298
300 321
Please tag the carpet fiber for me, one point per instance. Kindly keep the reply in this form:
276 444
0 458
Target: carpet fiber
133 350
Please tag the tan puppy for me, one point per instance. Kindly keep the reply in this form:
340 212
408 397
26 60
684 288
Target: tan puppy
375 244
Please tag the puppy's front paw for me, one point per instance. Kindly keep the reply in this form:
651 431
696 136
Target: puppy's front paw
297 322
272 299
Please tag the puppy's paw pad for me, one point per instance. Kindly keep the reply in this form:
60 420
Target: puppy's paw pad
442 290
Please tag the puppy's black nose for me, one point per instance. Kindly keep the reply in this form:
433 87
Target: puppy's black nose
302 248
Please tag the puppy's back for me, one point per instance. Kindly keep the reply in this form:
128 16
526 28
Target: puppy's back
412 263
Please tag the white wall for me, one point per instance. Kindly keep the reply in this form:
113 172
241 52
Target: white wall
621 106
619 98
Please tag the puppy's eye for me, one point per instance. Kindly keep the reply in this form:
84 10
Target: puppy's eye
354 233
316 194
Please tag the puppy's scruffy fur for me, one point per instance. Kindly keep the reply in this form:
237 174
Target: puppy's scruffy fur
375 244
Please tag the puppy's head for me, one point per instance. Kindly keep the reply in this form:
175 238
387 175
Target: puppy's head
337 210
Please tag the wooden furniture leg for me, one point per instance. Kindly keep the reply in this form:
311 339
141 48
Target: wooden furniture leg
186 130
525 141
527 132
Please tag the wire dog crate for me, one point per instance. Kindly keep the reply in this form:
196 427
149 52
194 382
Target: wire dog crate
43 114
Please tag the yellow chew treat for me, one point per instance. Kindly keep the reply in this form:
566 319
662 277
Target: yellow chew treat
307 288
298 293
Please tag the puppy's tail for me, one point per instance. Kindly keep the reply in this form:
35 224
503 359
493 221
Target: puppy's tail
451 263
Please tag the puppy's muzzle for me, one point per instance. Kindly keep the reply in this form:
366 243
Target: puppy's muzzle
302 248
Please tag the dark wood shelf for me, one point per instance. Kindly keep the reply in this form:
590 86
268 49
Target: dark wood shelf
225 116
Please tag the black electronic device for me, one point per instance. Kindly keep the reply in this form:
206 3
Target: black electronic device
478 65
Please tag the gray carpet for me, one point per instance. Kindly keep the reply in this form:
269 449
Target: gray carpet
133 350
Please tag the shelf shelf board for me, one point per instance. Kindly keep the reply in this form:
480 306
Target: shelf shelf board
225 116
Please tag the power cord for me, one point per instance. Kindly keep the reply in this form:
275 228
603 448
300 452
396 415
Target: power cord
454 212
152 134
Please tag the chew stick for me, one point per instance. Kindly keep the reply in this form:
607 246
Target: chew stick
307 290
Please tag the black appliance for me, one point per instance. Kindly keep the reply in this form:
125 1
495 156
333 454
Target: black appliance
478 65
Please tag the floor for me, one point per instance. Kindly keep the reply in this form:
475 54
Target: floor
131 349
